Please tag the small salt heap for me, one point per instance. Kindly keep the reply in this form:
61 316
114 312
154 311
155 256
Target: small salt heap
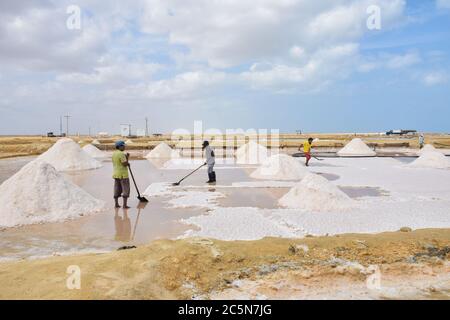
427 148
356 148
38 193
95 142
280 167
431 159
251 153
163 151
94 152
317 194
128 142
66 155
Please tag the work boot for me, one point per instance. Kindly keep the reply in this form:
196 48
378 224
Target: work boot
213 177
209 178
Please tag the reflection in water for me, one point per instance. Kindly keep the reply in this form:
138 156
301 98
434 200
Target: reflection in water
141 205
123 225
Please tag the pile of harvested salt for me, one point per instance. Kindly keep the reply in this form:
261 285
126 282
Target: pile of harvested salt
317 194
280 167
356 148
129 141
66 155
162 150
38 193
431 159
94 152
251 153
95 142
183 164
427 148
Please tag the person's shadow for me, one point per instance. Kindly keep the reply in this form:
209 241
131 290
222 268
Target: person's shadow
123 226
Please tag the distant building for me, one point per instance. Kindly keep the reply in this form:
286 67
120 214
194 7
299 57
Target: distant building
140 133
125 130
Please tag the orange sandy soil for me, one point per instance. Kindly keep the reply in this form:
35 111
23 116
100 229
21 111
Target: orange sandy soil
206 268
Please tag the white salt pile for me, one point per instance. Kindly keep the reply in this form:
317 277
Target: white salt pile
80 142
66 155
162 150
280 167
95 142
317 194
94 152
356 148
427 148
431 159
129 141
251 153
183 164
38 193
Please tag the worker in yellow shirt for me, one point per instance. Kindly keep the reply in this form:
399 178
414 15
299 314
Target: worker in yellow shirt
120 174
307 150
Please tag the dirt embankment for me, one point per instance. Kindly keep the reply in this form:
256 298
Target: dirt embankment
207 268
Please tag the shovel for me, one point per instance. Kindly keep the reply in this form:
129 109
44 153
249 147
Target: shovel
141 199
178 183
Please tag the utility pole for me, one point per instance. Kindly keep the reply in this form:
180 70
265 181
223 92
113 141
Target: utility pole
67 125
60 125
146 126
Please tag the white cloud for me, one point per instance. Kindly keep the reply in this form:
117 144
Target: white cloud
322 67
229 33
388 61
113 73
435 78
402 61
445 4
297 52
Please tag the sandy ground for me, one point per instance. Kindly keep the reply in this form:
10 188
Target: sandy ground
411 265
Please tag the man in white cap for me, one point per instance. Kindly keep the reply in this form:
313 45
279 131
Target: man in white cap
210 161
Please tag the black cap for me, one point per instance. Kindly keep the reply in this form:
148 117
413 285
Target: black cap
205 143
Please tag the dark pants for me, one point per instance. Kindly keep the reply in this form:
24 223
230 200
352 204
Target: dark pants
121 188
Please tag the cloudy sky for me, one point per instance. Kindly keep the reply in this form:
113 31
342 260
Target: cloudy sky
284 64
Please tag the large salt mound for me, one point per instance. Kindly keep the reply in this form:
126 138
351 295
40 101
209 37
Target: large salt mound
356 148
431 159
66 155
280 167
315 193
251 153
38 193
162 150
94 152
